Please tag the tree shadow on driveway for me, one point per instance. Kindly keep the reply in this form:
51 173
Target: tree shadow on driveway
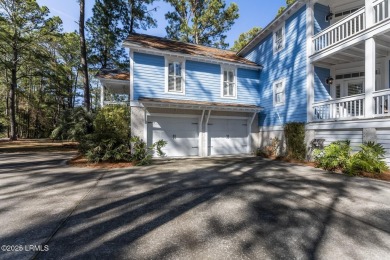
222 208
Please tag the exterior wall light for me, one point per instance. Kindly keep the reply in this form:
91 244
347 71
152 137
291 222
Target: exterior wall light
329 17
329 81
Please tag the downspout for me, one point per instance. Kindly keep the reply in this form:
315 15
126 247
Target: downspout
250 122
201 134
206 150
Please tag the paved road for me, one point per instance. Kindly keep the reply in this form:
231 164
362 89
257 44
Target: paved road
221 208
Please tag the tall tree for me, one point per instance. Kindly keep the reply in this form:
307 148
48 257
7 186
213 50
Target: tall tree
139 15
288 3
23 27
245 38
203 22
106 31
83 52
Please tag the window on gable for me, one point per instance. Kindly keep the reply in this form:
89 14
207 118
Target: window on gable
279 93
175 77
229 86
279 39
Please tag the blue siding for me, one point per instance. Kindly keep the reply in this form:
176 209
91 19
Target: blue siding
321 89
320 13
289 64
203 81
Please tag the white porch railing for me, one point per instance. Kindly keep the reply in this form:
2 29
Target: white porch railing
343 29
382 10
348 107
381 102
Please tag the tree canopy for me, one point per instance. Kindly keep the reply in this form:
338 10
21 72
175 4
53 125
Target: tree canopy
203 22
245 38
283 8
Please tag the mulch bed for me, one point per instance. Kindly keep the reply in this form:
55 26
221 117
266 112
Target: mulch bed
81 161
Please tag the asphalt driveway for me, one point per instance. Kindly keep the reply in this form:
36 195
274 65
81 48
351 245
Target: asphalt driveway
219 208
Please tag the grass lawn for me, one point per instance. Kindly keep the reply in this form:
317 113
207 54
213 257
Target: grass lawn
36 145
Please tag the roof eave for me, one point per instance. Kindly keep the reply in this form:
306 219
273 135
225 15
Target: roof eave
260 36
133 46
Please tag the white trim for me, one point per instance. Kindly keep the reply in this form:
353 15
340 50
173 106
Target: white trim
283 28
271 128
363 35
276 82
131 75
351 124
140 49
173 115
167 60
249 124
265 32
206 135
309 65
387 71
230 117
201 151
235 91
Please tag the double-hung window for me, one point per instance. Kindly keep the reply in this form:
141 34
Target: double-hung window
175 77
279 39
229 85
279 93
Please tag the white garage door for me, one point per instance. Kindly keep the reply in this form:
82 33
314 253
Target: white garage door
383 136
227 136
182 135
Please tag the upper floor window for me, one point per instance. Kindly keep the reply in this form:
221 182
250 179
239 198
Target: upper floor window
175 72
279 92
279 39
229 84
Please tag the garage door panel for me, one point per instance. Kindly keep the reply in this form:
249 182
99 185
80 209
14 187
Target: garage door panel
227 136
181 135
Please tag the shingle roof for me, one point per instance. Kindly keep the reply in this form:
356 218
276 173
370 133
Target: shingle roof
113 74
158 43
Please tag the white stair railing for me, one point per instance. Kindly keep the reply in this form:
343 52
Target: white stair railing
382 10
381 102
343 29
348 107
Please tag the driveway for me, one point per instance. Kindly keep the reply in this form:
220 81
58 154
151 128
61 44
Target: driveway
218 208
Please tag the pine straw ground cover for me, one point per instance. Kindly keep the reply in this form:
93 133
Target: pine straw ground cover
81 161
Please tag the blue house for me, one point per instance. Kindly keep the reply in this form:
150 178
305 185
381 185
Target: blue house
325 63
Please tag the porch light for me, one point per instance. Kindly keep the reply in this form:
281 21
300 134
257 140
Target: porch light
329 17
329 81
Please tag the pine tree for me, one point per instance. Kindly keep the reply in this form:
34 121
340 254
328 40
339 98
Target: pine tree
139 15
23 27
245 38
83 52
203 22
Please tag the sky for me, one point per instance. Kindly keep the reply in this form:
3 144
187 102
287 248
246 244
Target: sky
252 13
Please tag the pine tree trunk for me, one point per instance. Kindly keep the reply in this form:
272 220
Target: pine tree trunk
84 64
12 104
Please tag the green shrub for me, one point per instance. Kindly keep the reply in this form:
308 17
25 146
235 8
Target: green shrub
294 133
110 138
334 156
73 125
142 154
369 159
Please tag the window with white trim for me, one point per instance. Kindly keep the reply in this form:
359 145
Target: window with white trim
279 39
229 85
175 76
279 92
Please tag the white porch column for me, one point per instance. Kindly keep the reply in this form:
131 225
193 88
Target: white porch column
309 65
102 95
370 14
369 76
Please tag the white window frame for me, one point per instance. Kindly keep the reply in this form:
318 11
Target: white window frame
183 73
283 82
234 69
283 28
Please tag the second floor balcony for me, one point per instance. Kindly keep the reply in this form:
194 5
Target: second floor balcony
342 26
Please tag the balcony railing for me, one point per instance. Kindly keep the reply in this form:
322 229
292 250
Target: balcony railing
341 108
381 102
343 29
382 10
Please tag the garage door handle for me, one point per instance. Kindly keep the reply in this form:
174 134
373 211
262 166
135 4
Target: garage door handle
173 137
227 136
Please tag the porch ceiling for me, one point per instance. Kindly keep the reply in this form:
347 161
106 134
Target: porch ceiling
356 53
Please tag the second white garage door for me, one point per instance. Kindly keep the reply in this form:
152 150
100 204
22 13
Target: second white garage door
227 136
182 135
